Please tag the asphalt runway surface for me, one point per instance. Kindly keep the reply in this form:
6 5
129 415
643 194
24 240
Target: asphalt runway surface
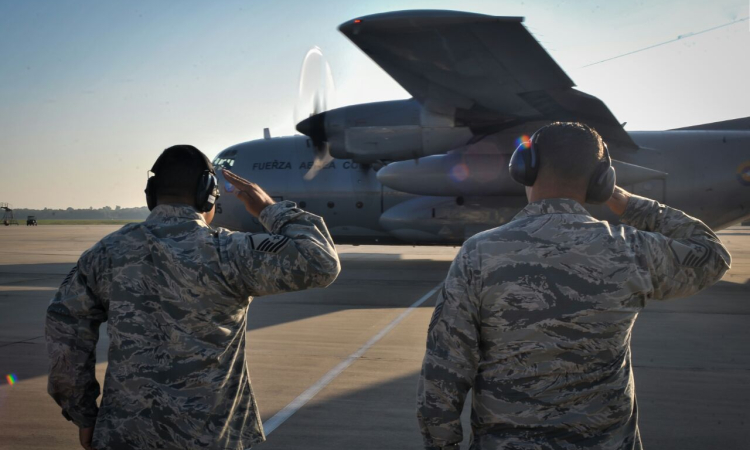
337 368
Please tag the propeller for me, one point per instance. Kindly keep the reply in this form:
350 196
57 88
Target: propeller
315 96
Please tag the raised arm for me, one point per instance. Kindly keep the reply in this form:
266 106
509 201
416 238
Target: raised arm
297 253
451 360
681 254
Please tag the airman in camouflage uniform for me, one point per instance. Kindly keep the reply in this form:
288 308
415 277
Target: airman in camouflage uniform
536 317
175 294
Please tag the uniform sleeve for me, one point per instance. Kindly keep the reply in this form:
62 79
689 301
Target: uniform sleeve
681 254
297 254
451 360
72 331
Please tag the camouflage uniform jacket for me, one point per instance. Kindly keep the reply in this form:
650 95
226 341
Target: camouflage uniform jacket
175 294
536 317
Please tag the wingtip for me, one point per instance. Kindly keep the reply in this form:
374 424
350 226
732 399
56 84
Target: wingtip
426 16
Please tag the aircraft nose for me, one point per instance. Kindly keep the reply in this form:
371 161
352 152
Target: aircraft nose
314 127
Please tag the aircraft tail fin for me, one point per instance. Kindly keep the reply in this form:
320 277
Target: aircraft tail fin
741 124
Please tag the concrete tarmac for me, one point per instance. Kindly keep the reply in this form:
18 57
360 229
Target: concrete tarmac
692 365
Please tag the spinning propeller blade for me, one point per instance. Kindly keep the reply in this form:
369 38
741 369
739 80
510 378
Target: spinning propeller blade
315 97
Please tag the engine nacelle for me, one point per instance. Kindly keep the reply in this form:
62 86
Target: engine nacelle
394 130
457 173
478 173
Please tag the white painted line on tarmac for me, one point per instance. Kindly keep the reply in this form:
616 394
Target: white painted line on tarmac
274 422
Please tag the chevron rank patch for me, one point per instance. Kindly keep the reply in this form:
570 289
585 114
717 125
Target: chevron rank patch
269 243
70 275
438 311
694 255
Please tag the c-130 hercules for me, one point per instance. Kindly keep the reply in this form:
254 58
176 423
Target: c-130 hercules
433 169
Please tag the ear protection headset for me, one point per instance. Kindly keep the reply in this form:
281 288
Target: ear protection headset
524 168
207 191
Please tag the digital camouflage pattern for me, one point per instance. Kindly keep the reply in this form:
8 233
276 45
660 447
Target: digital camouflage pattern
536 317
175 294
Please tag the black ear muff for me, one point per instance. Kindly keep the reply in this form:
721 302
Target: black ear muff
524 164
151 193
602 182
207 192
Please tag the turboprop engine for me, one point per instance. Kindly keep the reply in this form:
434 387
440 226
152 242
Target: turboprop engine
394 131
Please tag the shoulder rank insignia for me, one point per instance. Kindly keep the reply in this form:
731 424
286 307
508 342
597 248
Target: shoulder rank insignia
694 255
269 243
70 275
438 310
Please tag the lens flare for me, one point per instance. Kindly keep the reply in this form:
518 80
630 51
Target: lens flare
743 173
460 172
12 378
524 140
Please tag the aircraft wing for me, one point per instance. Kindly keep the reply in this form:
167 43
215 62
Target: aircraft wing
486 69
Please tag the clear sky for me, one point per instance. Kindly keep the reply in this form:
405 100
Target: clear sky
92 91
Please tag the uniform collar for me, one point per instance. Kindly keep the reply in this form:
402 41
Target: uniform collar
552 206
175 213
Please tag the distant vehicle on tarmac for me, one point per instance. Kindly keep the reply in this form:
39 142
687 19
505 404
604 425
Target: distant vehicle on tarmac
31 220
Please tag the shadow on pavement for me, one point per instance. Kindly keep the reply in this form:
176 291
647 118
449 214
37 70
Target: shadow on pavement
26 289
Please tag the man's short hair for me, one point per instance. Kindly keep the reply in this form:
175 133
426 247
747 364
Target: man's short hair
178 171
568 151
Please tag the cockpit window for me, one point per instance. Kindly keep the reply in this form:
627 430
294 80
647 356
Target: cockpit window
223 163
225 159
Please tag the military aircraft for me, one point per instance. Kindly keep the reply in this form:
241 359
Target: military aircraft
433 169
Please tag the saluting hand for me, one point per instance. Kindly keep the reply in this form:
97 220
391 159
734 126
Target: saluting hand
619 201
254 198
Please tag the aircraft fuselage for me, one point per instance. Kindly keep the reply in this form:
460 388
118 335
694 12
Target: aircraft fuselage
707 176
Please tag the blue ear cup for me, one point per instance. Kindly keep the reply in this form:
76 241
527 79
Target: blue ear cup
524 164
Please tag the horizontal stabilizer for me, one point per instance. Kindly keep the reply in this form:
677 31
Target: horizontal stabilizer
741 124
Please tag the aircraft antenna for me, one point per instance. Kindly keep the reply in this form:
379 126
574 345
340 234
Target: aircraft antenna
678 38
